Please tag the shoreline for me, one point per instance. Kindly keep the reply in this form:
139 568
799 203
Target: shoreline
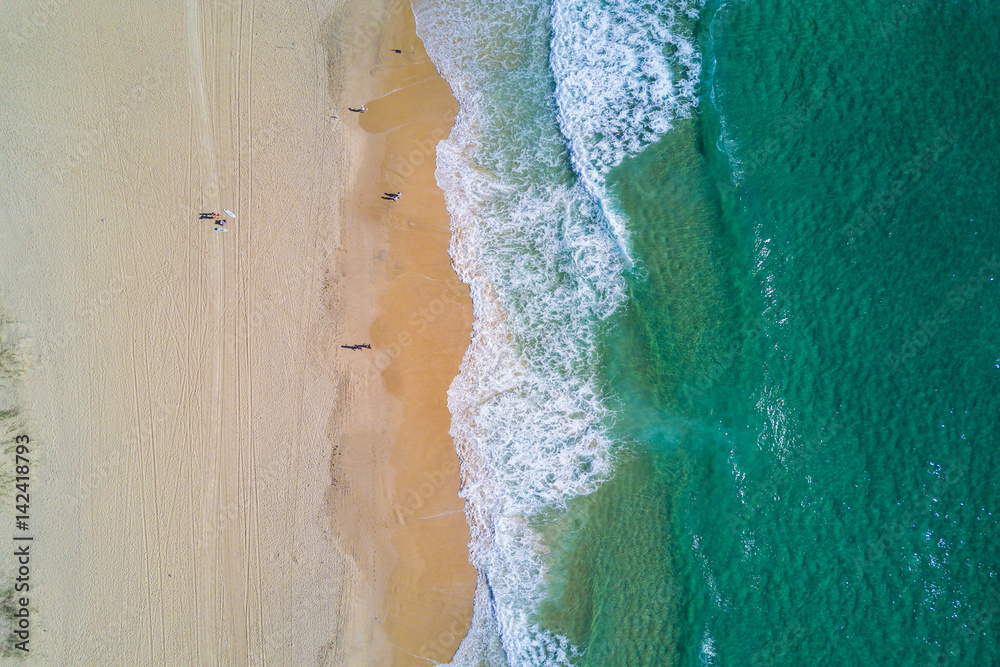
419 336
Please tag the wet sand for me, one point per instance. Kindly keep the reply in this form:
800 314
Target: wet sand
421 332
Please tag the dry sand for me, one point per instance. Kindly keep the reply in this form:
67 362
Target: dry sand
215 480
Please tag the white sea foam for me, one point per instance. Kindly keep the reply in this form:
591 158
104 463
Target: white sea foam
706 653
624 72
531 240
528 421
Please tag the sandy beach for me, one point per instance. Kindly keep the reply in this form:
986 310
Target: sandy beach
421 333
215 480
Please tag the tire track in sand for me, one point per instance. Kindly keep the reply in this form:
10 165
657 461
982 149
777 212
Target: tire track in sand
210 641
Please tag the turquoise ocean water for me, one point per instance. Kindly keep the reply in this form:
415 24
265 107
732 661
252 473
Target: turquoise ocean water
733 393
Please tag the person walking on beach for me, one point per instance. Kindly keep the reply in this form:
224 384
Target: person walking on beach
361 110
392 195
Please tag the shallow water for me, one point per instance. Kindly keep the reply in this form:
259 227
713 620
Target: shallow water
733 390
